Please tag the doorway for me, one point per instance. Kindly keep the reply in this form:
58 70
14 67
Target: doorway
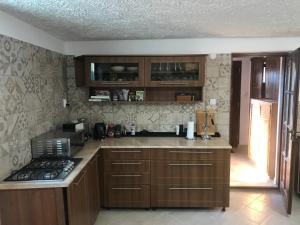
254 119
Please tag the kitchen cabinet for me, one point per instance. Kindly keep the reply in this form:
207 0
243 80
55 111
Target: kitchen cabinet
84 195
77 204
174 71
127 178
78 209
93 189
190 178
109 71
166 177
159 78
32 207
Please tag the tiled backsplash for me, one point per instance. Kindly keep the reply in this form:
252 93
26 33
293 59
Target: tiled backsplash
32 85
161 116
33 82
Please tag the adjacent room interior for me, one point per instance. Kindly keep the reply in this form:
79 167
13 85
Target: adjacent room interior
255 127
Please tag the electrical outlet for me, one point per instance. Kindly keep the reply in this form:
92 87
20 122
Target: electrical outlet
213 101
65 103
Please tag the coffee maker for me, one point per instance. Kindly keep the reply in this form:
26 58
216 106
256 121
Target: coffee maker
99 131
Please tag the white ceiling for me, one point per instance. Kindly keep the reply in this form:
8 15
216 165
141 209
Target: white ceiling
83 20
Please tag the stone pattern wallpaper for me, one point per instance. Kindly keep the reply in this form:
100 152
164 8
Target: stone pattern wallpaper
32 86
156 117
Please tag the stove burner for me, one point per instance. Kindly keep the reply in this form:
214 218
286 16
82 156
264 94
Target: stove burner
45 169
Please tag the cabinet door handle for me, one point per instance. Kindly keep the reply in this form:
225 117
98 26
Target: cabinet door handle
135 188
190 164
126 163
126 151
173 83
208 188
79 180
126 175
188 152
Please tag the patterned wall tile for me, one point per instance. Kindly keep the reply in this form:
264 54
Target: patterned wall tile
32 86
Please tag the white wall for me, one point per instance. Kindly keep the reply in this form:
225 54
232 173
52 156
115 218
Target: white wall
13 27
245 99
182 46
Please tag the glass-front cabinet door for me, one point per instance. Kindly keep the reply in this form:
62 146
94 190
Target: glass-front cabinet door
177 71
114 71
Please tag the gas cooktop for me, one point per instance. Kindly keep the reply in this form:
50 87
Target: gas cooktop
46 169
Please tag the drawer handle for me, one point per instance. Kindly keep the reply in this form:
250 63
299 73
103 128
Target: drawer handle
126 175
190 164
126 163
126 151
187 152
209 188
126 188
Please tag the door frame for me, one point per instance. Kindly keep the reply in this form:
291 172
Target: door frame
280 110
235 92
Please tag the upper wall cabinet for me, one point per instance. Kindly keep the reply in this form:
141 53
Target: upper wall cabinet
174 71
110 71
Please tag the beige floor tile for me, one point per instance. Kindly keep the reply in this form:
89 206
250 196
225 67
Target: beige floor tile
247 207
244 172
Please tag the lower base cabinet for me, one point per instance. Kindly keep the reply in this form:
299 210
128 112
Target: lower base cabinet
157 178
32 207
188 196
78 204
84 196
126 178
78 211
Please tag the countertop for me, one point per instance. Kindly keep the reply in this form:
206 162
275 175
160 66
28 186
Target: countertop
87 153
92 147
164 142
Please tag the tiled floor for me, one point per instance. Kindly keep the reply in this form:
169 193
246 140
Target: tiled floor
244 172
246 208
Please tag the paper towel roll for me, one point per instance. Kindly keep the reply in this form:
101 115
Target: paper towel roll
190 130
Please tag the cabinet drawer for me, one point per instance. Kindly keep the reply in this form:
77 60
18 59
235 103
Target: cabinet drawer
135 196
127 178
189 154
131 154
189 195
127 166
191 172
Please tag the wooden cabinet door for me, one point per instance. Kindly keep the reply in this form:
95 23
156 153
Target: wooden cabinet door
77 201
102 72
32 207
257 86
93 189
175 71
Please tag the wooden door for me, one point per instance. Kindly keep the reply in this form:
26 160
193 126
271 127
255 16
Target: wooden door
273 64
289 126
235 103
257 86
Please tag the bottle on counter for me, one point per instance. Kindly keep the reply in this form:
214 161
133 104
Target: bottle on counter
132 129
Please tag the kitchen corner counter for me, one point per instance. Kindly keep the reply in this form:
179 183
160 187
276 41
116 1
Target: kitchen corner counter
92 147
164 142
87 153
